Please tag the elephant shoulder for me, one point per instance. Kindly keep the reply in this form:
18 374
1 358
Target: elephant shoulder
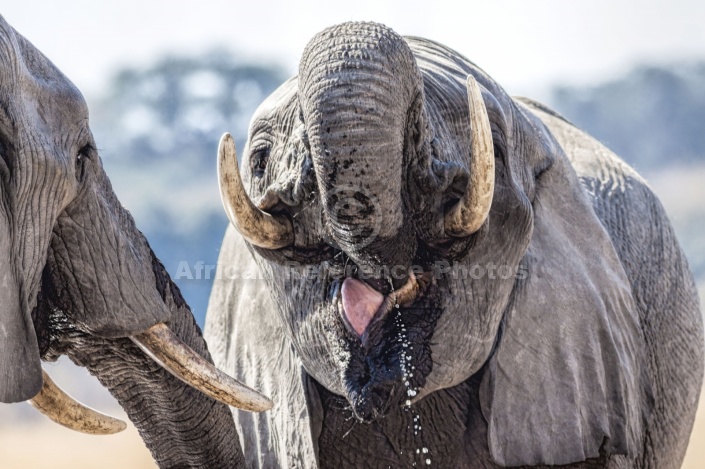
661 282
616 190
622 200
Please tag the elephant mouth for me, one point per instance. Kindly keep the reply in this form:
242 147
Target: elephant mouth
363 309
389 339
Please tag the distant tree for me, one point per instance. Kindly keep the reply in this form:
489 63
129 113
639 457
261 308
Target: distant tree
158 131
181 102
652 117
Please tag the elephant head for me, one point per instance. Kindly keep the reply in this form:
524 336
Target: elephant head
410 220
78 278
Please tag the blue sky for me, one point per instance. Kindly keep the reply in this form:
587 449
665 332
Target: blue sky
525 45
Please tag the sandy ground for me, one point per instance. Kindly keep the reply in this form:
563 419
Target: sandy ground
695 457
49 446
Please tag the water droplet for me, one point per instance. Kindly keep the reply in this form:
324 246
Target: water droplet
425 450
428 462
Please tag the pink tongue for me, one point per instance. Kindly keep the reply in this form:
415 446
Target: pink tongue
360 303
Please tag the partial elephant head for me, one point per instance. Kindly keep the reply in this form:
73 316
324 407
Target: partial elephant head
78 278
347 161
405 211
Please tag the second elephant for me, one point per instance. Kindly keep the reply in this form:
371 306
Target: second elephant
448 276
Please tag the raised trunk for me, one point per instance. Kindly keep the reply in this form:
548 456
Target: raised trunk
357 83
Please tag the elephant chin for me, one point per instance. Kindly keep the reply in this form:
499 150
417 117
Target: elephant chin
391 358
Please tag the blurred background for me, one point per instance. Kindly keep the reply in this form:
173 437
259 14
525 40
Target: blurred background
164 79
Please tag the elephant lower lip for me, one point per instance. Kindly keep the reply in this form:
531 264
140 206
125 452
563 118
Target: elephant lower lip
415 286
391 365
374 324
360 303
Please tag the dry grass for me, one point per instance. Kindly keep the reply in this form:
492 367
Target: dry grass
47 445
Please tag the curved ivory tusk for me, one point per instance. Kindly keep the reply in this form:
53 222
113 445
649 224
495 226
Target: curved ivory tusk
164 347
259 228
468 215
408 292
64 410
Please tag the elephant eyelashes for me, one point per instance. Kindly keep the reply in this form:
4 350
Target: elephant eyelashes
259 162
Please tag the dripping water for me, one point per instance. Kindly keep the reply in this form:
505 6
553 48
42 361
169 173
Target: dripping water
407 370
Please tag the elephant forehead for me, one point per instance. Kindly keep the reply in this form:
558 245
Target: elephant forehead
282 97
27 72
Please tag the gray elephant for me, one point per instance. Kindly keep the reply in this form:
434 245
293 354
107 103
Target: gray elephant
424 271
78 278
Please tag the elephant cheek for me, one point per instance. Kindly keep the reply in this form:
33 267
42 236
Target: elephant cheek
103 271
20 366
469 330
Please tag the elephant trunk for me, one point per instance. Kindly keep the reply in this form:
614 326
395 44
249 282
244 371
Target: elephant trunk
357 84
181 426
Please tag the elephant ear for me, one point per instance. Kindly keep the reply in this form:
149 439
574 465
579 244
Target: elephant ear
20 365
248 341
566 380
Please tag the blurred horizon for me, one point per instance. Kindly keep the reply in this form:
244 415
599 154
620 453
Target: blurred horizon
525 46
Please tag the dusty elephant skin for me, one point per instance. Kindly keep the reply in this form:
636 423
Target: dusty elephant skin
562 327
78 278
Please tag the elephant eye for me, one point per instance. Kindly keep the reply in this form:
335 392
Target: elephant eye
82 156
4 159
258 161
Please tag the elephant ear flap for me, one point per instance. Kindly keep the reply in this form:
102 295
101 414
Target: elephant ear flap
566 381
20 365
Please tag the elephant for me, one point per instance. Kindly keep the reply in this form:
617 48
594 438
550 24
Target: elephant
79 279
422 271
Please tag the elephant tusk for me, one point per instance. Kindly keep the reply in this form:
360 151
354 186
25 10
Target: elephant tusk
170 352
64 410
468 215
256 226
